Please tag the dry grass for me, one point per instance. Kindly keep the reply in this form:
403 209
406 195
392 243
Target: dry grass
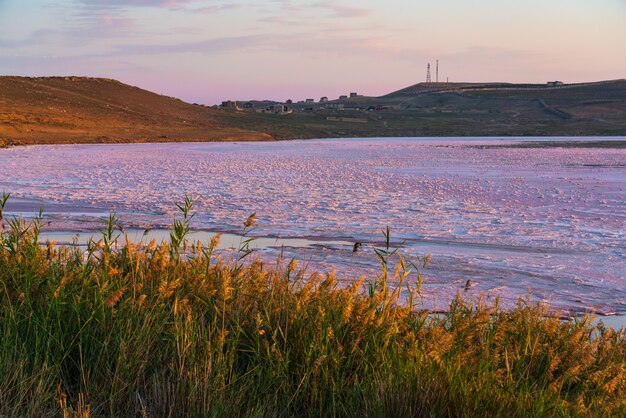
61 110
175 330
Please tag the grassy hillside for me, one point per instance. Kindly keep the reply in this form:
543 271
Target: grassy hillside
457 109
81 109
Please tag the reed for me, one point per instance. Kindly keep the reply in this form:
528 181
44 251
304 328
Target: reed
176 329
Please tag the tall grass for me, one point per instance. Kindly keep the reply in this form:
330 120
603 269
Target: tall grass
174 329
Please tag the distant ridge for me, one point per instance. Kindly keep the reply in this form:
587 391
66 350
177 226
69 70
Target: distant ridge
423 88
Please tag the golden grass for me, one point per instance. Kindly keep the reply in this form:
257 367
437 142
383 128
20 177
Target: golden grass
152 330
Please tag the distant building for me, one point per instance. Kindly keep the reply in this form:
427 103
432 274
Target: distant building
353 94
343 97
248 105
310 100
323 99
337 106
279 108
554 83
229 104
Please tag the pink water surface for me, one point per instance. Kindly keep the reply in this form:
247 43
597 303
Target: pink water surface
549 221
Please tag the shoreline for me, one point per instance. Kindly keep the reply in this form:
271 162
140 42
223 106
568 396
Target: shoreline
526 141
10 143
229 242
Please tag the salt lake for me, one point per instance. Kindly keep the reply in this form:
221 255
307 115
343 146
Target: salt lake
545 222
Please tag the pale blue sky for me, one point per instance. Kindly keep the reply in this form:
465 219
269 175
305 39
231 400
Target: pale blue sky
210 50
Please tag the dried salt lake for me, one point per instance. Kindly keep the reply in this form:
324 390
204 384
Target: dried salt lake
549 221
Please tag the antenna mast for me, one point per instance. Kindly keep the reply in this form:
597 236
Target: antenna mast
428 73
437 73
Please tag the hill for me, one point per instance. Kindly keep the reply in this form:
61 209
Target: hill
83 109
456 109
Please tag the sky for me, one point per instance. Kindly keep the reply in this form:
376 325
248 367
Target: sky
206 51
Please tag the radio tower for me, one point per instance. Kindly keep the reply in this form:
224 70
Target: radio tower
428 73
437 73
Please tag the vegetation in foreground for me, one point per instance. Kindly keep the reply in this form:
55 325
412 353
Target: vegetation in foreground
124 329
